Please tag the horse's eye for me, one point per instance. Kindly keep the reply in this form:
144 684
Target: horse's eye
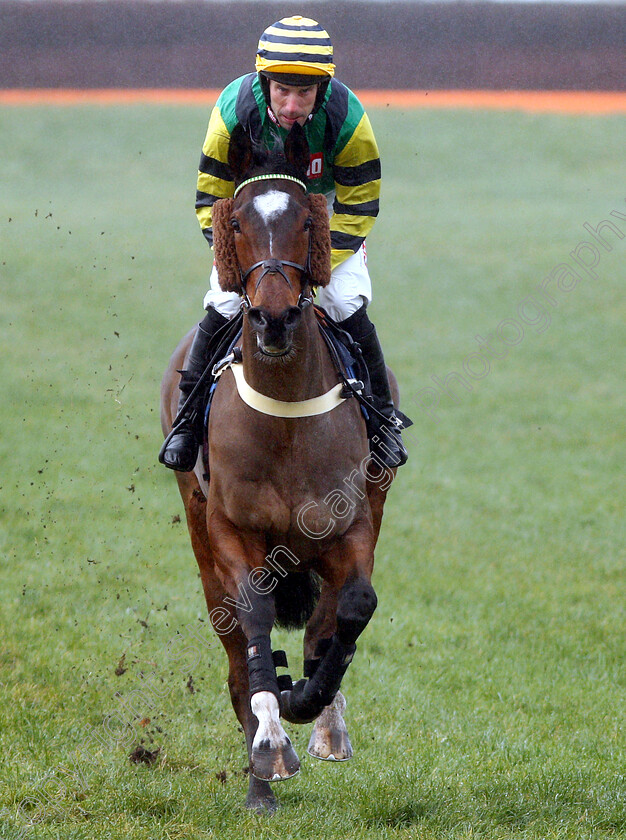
308 224
235 225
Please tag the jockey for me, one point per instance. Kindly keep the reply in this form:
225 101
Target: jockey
295 82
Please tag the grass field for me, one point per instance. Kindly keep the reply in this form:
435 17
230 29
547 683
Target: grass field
487 696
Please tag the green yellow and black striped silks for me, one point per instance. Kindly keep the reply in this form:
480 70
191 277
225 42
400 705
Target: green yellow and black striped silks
296 45
343 149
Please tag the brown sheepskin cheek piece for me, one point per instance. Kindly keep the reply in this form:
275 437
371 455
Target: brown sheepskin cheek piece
224 246
320 240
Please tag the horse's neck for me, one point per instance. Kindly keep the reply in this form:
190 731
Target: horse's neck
306 375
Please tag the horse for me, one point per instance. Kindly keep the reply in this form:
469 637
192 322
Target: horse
284 531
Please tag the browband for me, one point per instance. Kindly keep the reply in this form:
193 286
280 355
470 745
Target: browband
268 178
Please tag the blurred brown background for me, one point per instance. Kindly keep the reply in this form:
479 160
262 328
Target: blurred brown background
377 45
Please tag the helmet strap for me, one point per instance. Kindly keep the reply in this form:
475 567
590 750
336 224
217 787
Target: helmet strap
265 87
322 87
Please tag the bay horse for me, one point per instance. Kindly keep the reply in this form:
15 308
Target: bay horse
285 529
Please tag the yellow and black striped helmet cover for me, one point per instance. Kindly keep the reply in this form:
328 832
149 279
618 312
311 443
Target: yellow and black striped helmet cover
296 45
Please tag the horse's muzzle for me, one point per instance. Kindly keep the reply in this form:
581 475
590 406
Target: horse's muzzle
274 333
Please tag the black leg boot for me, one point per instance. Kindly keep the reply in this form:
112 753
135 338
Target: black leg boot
385 438
180 451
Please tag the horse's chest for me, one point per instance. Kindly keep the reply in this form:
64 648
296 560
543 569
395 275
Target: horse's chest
298 500
274 477
257 506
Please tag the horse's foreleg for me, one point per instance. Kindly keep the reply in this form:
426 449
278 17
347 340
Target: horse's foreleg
272 756
329 739
260 797
269 748
355 605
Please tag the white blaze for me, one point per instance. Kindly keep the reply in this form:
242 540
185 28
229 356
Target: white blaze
271 204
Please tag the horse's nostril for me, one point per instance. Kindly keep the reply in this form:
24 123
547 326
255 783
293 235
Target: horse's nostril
257 318
292 317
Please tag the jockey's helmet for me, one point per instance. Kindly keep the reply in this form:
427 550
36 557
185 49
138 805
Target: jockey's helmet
295 51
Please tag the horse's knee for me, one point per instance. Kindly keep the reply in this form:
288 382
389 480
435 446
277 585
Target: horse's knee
357 602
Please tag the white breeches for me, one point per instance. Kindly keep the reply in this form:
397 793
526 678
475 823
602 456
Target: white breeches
349 288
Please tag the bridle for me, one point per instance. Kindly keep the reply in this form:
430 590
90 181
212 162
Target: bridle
273 265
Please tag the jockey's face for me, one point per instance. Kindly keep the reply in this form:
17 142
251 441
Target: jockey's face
291 103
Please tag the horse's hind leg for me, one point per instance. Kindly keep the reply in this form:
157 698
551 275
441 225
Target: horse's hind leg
329 739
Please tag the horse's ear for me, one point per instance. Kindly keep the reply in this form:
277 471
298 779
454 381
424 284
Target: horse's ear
224 246
239 151
320 240
297 150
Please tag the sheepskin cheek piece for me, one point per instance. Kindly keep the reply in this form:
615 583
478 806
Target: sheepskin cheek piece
320 241
224 246
226 256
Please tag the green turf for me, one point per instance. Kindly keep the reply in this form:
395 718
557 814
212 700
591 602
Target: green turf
487 696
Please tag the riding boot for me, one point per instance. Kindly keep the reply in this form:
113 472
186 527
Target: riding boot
385 438
181 450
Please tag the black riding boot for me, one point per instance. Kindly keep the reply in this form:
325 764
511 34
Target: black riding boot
181 450
385 438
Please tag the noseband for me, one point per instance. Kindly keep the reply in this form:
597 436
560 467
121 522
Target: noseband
273 265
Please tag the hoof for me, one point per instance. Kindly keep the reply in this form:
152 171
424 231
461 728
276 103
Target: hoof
330 745
329 739
260 799
272 759
274 763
